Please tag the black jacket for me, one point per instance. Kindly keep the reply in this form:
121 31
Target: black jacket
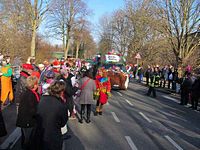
21 86
27 110
52 116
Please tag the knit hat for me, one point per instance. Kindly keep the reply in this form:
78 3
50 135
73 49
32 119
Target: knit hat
27 66
56 64
36 74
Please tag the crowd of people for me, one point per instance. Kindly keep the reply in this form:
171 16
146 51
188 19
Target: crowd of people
46 95
185 82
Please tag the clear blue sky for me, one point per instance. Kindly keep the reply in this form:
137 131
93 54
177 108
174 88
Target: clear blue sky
101 7
98 8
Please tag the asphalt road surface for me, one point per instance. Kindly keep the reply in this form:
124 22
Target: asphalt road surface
133 121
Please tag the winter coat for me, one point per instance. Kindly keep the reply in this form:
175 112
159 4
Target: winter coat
86 96
52 116
3 131
27 110
196 88
21 86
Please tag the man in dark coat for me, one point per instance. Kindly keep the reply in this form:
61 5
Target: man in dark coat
195 94
186 87
3 131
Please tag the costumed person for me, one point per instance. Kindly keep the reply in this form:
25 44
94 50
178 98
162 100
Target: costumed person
27 112
27 70
56 67
103 90
88 87
6 83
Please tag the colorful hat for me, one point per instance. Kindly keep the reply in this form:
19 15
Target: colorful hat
27 66
36 74
56 64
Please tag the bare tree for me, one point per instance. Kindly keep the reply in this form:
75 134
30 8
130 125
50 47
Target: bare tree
36 10
65 17
182 19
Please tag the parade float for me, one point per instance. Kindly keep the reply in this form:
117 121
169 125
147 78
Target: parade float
115 65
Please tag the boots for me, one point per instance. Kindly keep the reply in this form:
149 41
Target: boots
100 109
88 117
82 114
97 110
81 120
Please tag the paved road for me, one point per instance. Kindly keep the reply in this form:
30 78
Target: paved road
133 121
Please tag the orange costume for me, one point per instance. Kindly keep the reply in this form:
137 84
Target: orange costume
6 84
103 87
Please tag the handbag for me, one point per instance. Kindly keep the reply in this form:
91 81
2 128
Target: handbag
78 93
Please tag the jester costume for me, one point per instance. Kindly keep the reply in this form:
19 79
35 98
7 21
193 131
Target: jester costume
103 86
6 83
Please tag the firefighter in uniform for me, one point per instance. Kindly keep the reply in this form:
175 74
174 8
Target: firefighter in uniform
154 82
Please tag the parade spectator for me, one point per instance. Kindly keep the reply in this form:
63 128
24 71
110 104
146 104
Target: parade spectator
6 83
49 77
52 116
154 82
26 118
175 79
27 70
140 74
147 74
103 86
3 130
69 91
186 87
88 87
195 94
56 67
170 77
35 67
163 76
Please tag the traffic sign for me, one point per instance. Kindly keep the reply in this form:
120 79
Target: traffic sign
138 56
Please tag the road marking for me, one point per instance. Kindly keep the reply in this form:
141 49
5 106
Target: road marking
145 117
170 98
173 142
175 100
130 142
128 102
119 93
115 117
11 140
